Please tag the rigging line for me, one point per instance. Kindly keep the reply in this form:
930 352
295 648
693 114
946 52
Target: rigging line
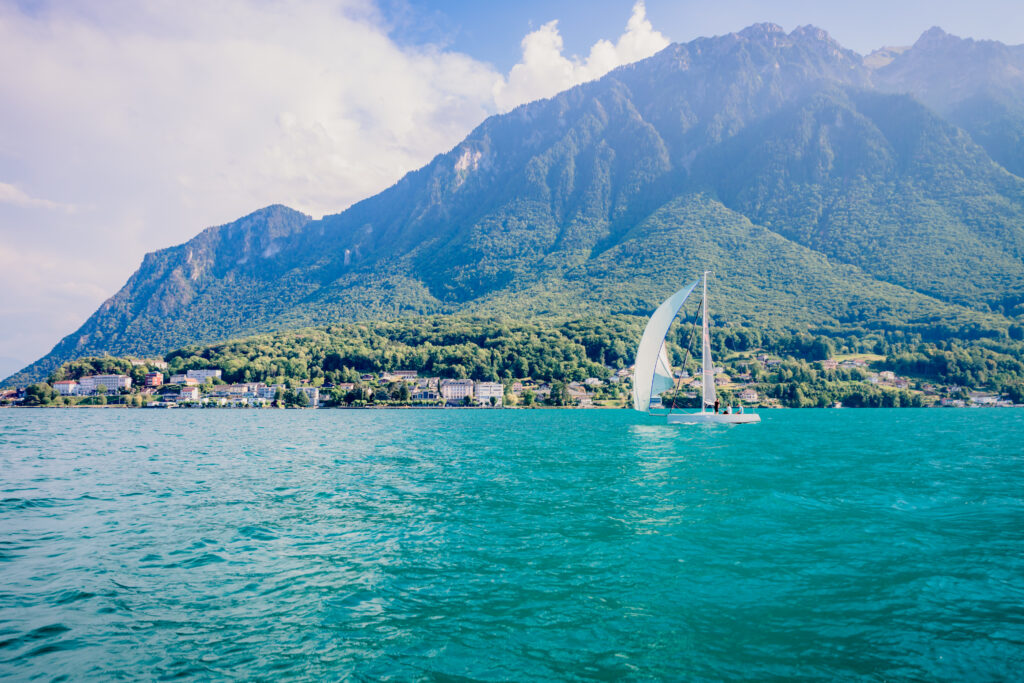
689 345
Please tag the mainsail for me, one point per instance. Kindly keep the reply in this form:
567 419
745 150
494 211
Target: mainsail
707 366
651 373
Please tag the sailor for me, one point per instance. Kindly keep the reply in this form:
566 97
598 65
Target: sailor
716 405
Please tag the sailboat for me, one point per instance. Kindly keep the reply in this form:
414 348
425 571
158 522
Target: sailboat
652 374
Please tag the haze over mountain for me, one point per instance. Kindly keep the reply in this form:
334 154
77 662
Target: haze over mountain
821 187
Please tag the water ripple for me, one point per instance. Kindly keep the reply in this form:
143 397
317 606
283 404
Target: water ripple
497 545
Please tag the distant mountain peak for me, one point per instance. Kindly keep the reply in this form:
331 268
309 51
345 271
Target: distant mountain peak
935 37
761 31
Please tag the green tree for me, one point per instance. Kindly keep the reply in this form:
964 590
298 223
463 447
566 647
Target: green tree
39 394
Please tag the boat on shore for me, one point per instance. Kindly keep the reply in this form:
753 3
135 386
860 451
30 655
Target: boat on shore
652 373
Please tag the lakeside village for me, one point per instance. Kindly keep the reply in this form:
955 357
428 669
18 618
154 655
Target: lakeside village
741 383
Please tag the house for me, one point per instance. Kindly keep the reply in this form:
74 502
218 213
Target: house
368 377
189 394
424 393
748 395
400 375
901 384
984 399
485 391
111 384
887 376
203 374
154 379
593 382
577 394
345 386
952 402
270 392
517 388
313 394
456 389
829 364
722 380
66 387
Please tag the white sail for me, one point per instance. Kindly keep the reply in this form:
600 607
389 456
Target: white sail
648 377
707 365
663 380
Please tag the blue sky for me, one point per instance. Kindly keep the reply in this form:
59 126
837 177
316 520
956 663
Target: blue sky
127 126
491 31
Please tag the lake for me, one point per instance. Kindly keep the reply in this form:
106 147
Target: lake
500 545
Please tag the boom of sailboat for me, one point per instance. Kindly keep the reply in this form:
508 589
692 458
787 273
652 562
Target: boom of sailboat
652 373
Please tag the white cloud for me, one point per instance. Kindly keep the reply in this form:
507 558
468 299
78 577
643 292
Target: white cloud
9 194
151 121
545 71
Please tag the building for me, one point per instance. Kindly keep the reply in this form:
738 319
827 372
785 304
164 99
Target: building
203 374
456 389
111 383
829 364
485 391
577 394
154 379
66 387
748 395
887 376
270 392
189 394
313 394
400 375
424 393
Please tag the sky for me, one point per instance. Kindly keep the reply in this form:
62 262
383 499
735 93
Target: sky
128 126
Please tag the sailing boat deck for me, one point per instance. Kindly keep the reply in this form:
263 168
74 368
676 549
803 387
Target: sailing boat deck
713 418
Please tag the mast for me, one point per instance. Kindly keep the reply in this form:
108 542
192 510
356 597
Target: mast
707 366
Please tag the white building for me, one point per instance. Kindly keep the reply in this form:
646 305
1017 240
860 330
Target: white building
66 387
485 391
268 392
456 389
313 394
189 394
112 384
748 395
203 374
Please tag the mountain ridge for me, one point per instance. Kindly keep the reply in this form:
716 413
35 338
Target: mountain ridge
785 148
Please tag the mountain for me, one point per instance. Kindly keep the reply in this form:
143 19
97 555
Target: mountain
976 84
821 189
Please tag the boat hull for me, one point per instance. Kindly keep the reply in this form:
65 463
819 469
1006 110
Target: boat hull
713 418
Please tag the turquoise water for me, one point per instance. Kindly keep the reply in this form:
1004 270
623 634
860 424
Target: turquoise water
499 545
